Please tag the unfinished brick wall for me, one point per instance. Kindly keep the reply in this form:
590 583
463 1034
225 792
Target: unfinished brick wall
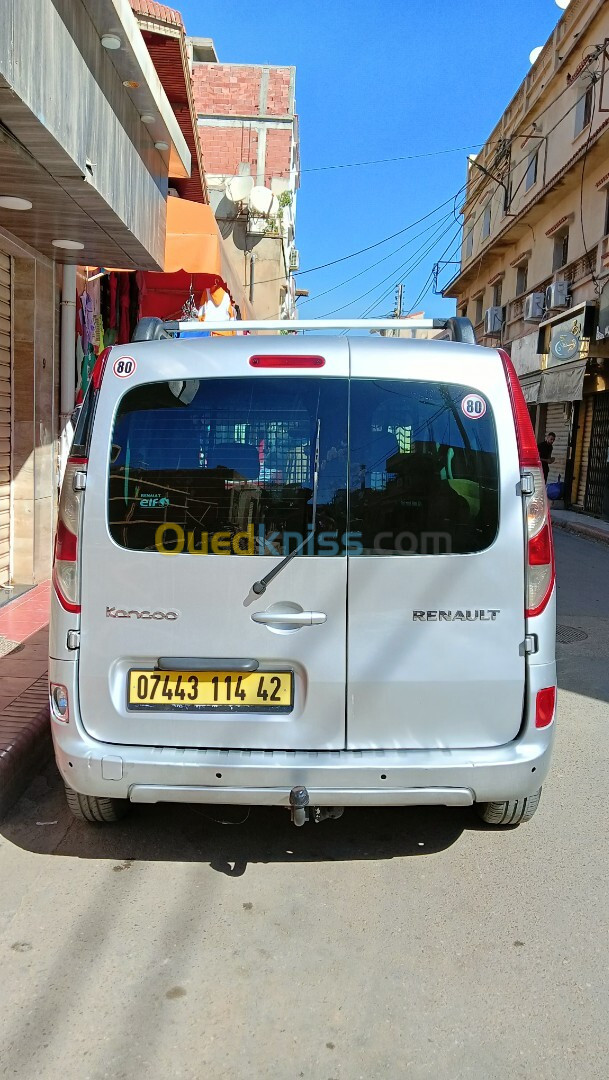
254 94
234 90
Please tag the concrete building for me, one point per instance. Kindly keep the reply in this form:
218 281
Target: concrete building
534 273
249 129
88 146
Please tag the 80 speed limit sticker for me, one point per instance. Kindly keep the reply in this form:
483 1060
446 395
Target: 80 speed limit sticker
124 367
473 406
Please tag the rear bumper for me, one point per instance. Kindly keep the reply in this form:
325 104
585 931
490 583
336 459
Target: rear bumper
332 778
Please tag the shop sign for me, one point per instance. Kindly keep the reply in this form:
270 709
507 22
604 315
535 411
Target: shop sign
567 336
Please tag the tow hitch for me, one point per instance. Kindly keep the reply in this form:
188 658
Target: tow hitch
299 805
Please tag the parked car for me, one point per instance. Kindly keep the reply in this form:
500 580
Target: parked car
309 573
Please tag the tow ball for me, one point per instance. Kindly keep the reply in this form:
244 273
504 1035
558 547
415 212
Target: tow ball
300 807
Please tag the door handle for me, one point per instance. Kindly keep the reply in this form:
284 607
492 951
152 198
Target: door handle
290 620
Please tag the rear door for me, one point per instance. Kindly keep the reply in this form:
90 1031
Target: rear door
436 588
201 478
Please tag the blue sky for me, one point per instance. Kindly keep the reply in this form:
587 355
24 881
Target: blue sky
377 81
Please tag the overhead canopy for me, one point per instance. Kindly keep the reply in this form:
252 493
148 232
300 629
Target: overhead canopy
562 383
194 254
565 382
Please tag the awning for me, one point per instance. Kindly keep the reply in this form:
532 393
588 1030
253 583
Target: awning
194 254
562 383
530 386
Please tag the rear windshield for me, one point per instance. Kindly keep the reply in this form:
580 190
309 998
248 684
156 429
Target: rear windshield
263 466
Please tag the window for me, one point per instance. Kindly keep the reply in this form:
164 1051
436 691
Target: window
531 173
469 238
423 473
561 250
225 466
479 308
497 291
522 278
463 312
583 110
486 221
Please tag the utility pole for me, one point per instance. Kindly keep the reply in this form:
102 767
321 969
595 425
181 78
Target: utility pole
398 307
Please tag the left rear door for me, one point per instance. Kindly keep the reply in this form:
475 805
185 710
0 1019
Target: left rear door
218 454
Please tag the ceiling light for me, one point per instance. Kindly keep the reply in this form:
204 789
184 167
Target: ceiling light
68 245
147 118
11 202
162 145
131 84
111 41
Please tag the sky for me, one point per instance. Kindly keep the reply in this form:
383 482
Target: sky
373 81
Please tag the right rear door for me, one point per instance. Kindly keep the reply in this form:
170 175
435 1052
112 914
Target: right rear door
436 592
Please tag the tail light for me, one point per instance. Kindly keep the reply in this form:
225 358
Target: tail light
66 572
545 706
540 576
66 577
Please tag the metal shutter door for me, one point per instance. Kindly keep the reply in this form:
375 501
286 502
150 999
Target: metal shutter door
587 436
597 458
556 421
5 416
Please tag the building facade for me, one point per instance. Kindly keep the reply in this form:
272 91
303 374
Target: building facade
249 137
88 142
534 272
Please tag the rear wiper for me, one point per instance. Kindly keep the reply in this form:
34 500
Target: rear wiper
259 587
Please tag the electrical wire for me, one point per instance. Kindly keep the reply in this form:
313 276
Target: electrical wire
383 161
391 275
367 269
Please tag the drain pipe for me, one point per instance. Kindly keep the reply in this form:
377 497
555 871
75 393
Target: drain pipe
67 369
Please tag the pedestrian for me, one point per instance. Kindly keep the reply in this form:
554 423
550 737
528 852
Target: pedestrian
545 453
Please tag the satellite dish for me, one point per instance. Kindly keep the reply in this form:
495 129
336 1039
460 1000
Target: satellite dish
535 53
262 202
238 188
563 3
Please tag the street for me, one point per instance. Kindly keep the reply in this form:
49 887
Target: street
408 942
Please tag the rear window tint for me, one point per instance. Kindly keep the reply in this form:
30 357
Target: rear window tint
423 468
227 467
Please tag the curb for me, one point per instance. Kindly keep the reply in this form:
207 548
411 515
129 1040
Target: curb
587 531
25 742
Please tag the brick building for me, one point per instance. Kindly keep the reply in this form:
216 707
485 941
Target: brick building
249 128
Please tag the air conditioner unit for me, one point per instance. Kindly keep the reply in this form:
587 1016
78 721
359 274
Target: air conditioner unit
493 321
557 296
294 259
534 307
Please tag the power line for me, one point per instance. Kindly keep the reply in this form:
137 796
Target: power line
391 276
383 161
367 269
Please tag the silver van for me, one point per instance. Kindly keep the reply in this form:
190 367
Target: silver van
309 572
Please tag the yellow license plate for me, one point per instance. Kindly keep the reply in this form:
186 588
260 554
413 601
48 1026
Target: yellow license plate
261 690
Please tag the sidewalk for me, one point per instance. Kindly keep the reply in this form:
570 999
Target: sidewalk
24 707
581 524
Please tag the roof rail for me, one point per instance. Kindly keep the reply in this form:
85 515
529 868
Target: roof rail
454 328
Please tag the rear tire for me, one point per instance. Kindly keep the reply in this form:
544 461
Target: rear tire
511 812
99 811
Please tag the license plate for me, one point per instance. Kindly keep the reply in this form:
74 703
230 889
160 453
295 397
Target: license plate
227 690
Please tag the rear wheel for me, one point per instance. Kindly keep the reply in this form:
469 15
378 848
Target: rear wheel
511 812
90 808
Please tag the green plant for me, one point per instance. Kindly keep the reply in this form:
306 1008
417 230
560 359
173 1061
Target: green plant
285 199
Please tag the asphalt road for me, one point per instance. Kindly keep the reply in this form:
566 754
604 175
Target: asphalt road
387 944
